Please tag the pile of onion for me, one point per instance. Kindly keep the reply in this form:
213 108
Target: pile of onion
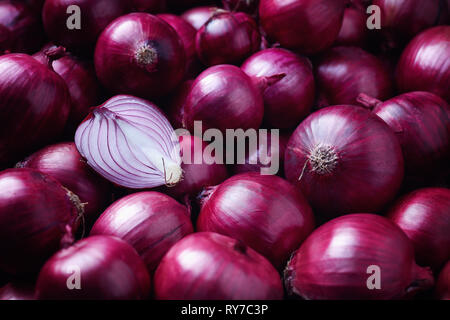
34 109
149 221
424 215
342 73
345 159
209 266
37 217
95 268
140 54
357 256
263 211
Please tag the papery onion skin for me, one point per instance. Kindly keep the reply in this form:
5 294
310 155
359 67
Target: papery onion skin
21 28
274 219
176 102
340 157
308 26
199 15
196 176
290 100
140 54
333 263
227 38
424 65
354 30
37 217
130 142
342 73
95 16
17 291
35 106
80 79
149 221
209 266
424 215
421 121
224 97
63 162
108 267
150 6
443 283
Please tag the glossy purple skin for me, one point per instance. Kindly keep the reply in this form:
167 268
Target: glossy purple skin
421 121
224 97
198 16
227 38
35 106
369 161
109 269
81 81
36 212
196 177
265 212
308 26
117 67
403 19
17 291
149 221
95 16
443 283
342 73
332 263
289 101
63 162
424 215
424 65
354 30
210 266
21 30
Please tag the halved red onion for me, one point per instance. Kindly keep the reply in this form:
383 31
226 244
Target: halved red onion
210 266
357 256
130 142
424 215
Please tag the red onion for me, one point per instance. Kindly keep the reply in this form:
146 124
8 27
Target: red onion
95 15
248 6
151 6
17 291
262 157
224 97
288 101
424 63
80 79
345 72
345 160
264 212
130 142
140 54
63 162
37 216
354 30
422 123
20 28
403 19
424 215
186 32
198 16
343 258
35 105
95 268
200 169
308 26
227 37
149 221
443 283
209 266
175 105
